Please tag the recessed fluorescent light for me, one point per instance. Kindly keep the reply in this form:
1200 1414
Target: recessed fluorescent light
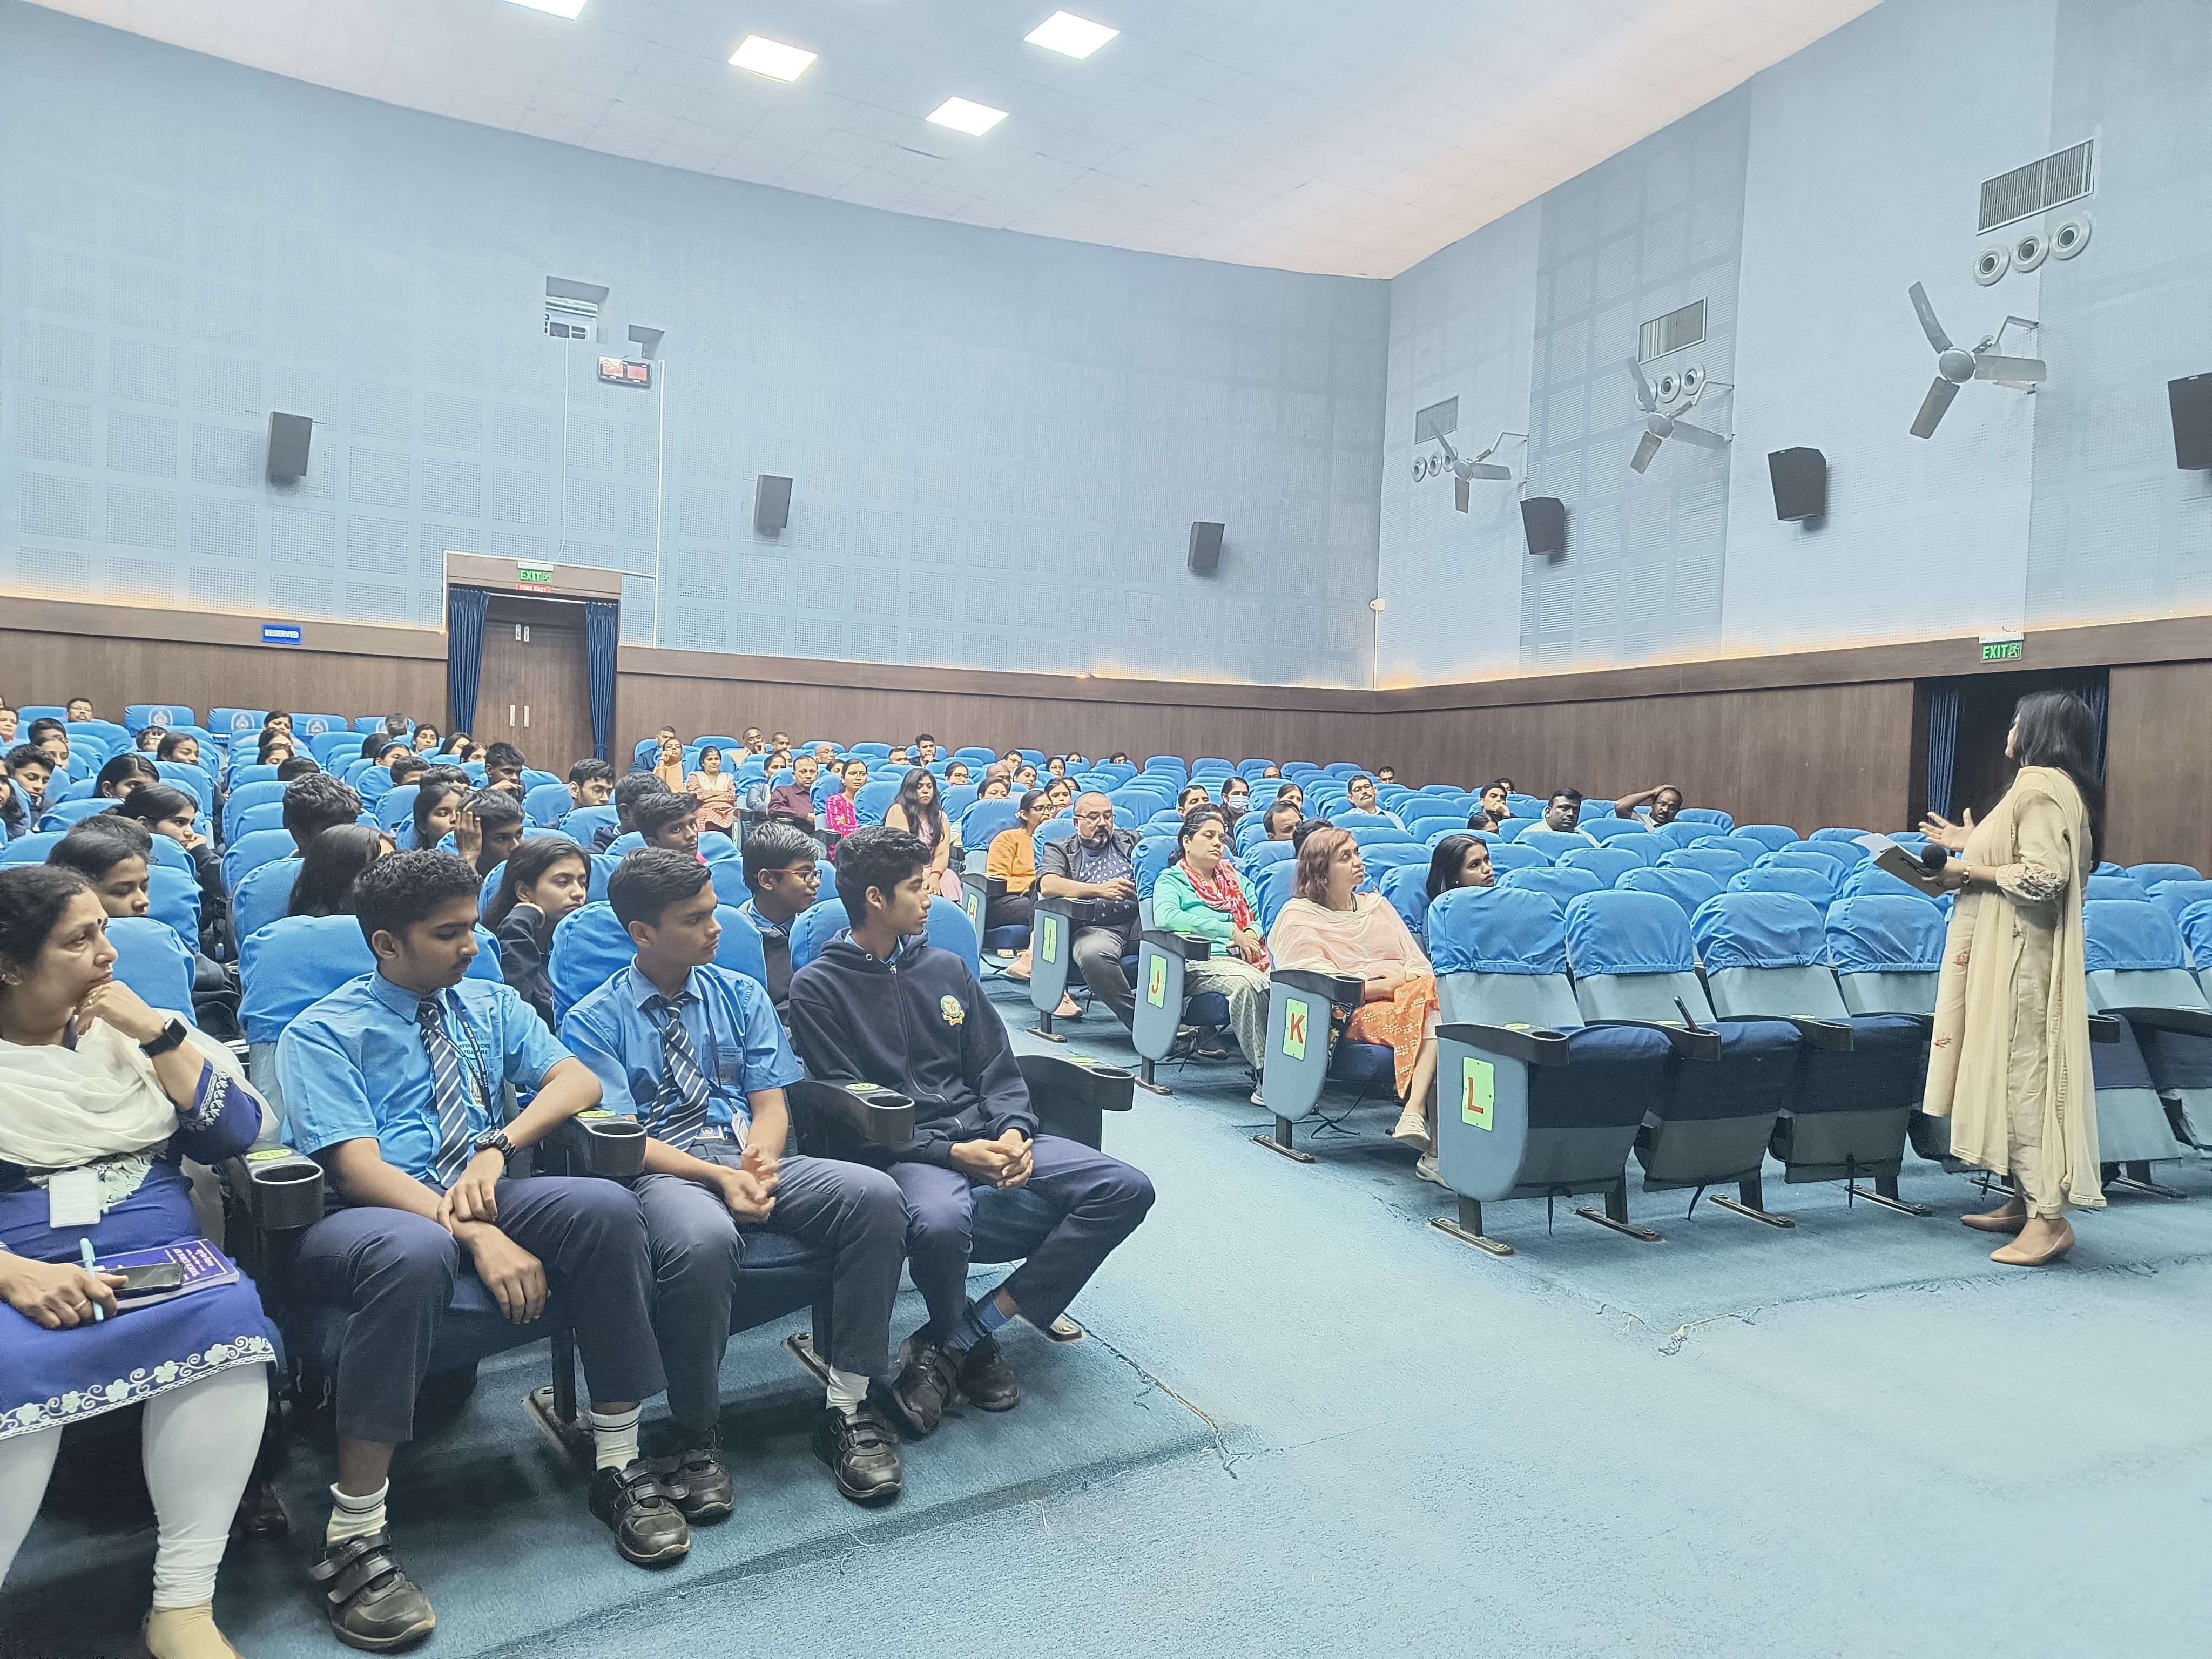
965 116
567 9
772 58
1078 37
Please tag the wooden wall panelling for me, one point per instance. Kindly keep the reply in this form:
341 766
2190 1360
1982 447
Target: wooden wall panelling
2158 764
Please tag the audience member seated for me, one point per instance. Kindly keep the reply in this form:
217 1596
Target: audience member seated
591 783
1060 796
633 788
1281 818
166 810
1385 774
782 877
30 769
1025 777
1011 858
840 813
1459 862
407 767
392 1081
279 723
825 756
311 805
489 828
542 882
1329 927
149 740
1292 794
396 726
113 856
180 746
792 802
1564 811
668 764
103 1096
15 819
298 767
1193 797
670 822
918 811
438 804
1304 830
779 760
1496 803
52 737
1359 790
1096 866
898 757
458 747
275 748
1203 894
1056 767
504 764
955 772
996 787
1235 800
1665 801
9 719
881 1004
696 1053
716 793
426 739
329 868
125 773
755 744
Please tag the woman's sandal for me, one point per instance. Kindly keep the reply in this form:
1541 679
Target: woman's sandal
1997 1221
2012 1256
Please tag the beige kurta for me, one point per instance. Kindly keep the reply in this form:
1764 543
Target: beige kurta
2009 1061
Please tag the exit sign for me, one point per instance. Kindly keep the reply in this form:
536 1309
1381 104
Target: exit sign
527 576
2000 648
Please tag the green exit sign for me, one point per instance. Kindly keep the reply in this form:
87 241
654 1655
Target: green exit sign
536 576
2000 648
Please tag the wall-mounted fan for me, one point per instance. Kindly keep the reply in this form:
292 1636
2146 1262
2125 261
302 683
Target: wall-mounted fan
1954 366
1478 467
1659 424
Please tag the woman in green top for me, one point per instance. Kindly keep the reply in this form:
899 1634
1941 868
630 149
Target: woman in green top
1202 894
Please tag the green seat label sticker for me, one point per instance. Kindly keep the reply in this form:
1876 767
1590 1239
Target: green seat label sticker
1294 1027
1156 986
1051 946
1477 1092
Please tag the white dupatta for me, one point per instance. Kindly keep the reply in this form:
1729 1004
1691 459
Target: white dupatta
62 1107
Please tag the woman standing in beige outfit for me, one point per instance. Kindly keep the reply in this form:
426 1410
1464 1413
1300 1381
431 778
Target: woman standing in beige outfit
2009 1063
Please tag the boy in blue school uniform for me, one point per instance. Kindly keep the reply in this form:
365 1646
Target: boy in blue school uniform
881 1004
393 1082
696 1052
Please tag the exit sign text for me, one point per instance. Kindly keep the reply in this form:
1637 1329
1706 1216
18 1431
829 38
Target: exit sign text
532 576
2001 647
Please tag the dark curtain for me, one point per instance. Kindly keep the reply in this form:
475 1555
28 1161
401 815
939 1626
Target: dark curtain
602 633
465 629
1942 747
2096 690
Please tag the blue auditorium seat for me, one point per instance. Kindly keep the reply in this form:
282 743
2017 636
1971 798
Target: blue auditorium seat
1870 878
585 822
1816 887
1608 863
266 815
1749 848
2138 966
1718 862
1512 855
154 960
1687 888
167 715
590 947
1551 843
948 930
396 809
2114 887
262 897
173 897
1558 883
2151 874
1772 836
982 824
1405 889
251 852
67 814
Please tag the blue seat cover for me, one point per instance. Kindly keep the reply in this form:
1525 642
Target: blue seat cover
1758 930
1497 930
1620 931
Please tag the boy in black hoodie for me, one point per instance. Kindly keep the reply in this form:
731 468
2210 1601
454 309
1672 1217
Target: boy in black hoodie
880 1004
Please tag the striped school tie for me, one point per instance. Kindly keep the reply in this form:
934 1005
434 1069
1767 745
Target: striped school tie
449 1089
679 1110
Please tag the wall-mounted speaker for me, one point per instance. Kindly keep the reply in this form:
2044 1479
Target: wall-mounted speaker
1801 483
287 447
771 504
1205 548
2190 401
1544 521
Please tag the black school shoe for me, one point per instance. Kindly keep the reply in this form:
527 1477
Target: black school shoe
987 1381
697 1480
862 1450
648 1528
372 1604
916 1399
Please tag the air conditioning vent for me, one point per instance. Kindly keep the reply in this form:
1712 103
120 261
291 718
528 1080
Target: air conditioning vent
572 309
1684 326
2066 176
1435 421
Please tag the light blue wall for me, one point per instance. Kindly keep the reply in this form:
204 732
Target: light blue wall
998 441
1856 163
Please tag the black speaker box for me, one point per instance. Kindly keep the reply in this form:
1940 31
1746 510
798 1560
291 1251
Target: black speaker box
287 447
1544 520
1205 548
1801 483
771 504
2191 403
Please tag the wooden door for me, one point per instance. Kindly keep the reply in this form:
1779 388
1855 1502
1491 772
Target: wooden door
535 689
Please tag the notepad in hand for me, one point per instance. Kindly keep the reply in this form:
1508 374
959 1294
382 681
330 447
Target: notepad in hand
200 1266
1899 862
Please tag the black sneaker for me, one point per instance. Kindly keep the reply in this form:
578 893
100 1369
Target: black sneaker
372 1604
648 1528
862 1450
916 1399
697 1481
987 1381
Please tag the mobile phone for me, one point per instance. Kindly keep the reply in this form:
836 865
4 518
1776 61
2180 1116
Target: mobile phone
152 1277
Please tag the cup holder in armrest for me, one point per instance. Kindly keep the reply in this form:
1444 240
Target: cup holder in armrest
614 1147
285 1189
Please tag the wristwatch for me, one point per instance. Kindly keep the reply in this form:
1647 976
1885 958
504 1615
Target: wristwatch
496 1140
173 1035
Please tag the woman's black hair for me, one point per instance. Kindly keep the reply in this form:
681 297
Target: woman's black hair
529 863
98 843
909 803
13 819
32 899
156 802
1195 820
428 798
2056 729
1444 863
334 862
271 743
168 749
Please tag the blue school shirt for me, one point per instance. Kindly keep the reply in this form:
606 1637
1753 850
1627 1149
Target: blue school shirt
734 1031
353 1067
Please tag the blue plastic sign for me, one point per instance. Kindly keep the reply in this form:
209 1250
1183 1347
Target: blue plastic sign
281 633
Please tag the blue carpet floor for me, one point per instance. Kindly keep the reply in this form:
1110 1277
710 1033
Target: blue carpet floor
1305 1423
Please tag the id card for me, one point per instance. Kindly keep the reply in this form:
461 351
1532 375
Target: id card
73 1198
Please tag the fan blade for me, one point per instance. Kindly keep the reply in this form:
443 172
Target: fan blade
2011 368
1646 447
1479 471
1459 494
1933 329
1644 398
1932 407
1700 436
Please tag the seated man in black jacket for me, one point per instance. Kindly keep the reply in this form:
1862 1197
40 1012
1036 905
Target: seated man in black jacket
880 1004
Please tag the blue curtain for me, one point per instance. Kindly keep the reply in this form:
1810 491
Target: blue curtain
602 633
2096 690
1942 746
465 627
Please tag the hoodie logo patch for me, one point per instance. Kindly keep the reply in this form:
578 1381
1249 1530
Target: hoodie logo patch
955 1015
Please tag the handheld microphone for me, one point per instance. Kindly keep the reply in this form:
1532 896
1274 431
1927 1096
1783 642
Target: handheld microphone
1933 857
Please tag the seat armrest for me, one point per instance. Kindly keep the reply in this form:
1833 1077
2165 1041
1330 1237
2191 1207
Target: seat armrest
842 1120
597 1143
1342 989
270 1198
1833 1036
2193 1021
990 887
1699 1042
1091 1082
2104 1028
1058 906
1188 946
1532 1045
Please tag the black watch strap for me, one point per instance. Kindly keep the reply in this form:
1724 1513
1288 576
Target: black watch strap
172 1036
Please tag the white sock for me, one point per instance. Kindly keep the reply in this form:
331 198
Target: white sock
614 1438
849 1390
355 1517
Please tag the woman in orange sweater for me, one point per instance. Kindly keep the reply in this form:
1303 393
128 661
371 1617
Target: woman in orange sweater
1012 859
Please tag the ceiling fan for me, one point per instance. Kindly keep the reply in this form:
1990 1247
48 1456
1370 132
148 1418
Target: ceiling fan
1480 466
1659 425
1955 367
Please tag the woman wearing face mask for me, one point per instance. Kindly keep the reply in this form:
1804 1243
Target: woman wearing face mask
1235 800
541 882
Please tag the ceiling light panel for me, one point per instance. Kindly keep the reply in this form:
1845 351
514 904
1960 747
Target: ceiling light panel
964 116
1076 37
772 58
568 8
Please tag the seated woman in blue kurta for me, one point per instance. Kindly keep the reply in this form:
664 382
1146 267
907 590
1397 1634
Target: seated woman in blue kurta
100 1098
